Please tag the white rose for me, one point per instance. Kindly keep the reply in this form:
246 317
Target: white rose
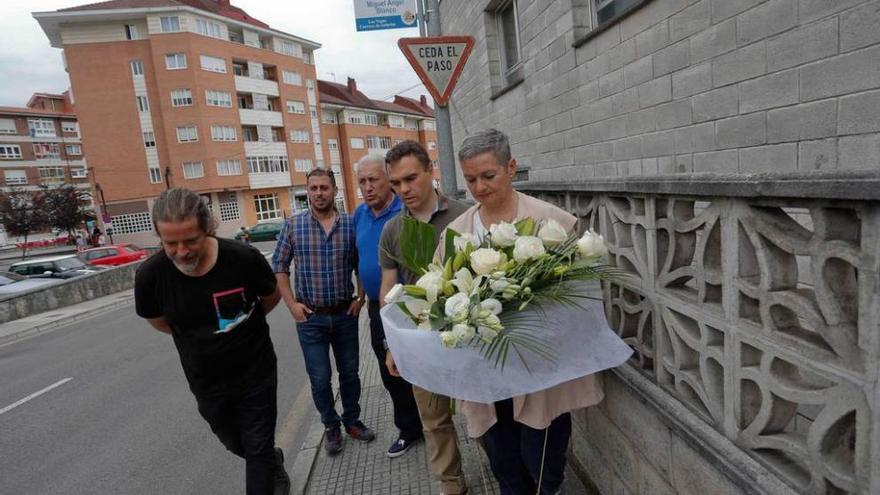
432 282
493 305
394 294
527 247
457 304
499 285
552 233
487 334
485 260
448 339
591 245
463 332
462 241
503 234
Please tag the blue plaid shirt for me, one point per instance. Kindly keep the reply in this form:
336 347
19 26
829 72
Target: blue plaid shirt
323 262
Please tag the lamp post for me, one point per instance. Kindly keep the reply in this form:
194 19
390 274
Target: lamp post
104 211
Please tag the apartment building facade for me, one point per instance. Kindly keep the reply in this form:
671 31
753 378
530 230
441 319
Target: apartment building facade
189 93
354 125
40 144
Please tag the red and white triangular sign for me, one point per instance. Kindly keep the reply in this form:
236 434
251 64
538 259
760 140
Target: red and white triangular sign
438 61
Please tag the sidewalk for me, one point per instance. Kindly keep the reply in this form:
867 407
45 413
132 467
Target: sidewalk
366 469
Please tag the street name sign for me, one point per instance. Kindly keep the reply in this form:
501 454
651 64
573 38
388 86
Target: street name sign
438 61
372 15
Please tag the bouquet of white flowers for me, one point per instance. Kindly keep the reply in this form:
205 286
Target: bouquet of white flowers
476 296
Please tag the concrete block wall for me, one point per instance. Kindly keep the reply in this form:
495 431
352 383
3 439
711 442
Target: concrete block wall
680 86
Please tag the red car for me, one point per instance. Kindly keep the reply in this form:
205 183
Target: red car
116 254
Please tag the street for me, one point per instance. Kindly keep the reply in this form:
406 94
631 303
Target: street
124 421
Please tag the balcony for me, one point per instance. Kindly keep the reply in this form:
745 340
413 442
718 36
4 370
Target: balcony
264 148
252 85
260 117
269 180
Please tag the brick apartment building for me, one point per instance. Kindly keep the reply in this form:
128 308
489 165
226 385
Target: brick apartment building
354 125
189 93
40 144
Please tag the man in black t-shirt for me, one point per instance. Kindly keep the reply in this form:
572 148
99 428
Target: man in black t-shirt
212 295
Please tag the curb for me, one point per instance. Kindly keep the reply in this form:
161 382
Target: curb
301 472
49 326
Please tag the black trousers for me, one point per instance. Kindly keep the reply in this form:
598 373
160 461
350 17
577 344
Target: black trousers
243 417
406 413
516 452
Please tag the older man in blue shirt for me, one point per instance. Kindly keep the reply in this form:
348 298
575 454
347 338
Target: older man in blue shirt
381 205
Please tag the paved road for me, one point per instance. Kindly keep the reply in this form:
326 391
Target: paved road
125 422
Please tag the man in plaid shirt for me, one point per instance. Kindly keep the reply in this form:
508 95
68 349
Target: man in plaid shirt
321 244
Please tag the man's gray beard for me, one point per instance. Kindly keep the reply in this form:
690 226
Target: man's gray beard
186 268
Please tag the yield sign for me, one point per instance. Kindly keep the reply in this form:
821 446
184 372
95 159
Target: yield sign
438 61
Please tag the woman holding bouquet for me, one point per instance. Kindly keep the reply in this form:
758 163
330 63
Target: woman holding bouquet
525 437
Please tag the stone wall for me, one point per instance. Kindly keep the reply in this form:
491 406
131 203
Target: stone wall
72 291
678 86
752 304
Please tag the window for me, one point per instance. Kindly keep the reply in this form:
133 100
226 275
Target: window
41 128
302 164
249 134
213 64
10 151
295 107
187 134
137 68
131 32
51 175
432 145
149 140
371 119
70 127
328 117
299 136
132 223
266 206
7 126
174 61
290 48
267 164
16 177
47 151
354 117
507 26
357 143
379 142
429 125
228 167
209 28
239 69
412 124
155 175
313 112
293 78
396 121
223 133
78 172
143 104
229 211
218 98
181 98
193 170
170 24
73 149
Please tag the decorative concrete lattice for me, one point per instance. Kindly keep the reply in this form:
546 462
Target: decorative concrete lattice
756 313
229 211
132 223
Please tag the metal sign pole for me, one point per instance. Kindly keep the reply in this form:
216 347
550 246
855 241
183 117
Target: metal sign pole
441 114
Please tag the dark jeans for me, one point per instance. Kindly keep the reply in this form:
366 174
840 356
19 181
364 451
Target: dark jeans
317 336
515 451
406 412
243 418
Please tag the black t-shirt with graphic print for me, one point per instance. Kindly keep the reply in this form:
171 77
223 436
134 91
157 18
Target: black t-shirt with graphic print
217 322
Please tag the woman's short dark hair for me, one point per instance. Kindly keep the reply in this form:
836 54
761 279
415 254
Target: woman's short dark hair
178 204
408 148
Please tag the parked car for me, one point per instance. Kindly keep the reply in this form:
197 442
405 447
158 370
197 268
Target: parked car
68 266
116 254
27 284
264 231
7 278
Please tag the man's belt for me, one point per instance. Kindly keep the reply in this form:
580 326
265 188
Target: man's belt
332 310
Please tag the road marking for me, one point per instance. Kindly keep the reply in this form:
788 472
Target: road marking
35 395
298 411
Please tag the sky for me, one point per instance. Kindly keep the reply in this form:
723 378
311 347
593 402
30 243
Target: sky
29 65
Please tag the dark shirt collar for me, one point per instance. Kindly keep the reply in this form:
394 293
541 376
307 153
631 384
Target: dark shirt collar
442 205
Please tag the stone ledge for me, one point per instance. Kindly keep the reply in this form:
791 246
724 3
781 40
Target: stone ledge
854 186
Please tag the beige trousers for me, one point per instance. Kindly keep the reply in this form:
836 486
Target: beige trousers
441 440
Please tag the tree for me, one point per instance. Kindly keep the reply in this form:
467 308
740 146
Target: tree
23 212
66 206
